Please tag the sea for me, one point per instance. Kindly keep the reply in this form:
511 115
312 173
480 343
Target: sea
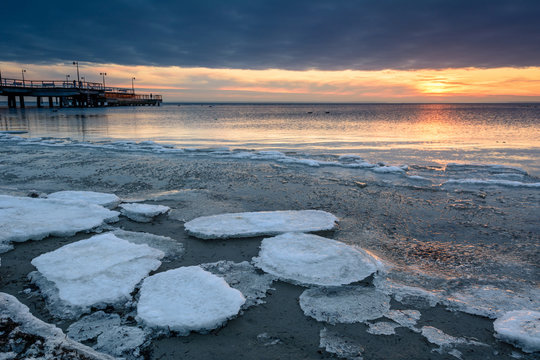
446 197
426 135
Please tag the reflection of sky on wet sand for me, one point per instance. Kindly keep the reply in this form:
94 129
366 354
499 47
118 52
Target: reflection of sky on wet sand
433 133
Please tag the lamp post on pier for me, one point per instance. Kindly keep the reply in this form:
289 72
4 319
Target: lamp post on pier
103 74
22 72
132 86
67 80
78 78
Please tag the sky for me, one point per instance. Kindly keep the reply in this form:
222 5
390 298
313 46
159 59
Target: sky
284 51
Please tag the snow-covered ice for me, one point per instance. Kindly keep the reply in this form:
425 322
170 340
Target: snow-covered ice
346 304
37 337
97 198
244 277
187 299
101 269
520 328
24 218
383 328
313 260
340 346
249 224
142 212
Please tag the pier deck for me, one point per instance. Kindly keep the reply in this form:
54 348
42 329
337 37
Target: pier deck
73 94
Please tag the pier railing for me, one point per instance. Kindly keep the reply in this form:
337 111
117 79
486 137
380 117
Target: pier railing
61 84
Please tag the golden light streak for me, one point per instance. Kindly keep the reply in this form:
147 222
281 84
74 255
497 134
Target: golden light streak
204 84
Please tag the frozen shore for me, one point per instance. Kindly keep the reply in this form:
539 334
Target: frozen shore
457 244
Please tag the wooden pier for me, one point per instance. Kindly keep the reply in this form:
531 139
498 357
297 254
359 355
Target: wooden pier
72 94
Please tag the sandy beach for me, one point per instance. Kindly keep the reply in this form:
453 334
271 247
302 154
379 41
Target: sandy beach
385 220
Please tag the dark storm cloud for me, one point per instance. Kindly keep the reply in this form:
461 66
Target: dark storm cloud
293 34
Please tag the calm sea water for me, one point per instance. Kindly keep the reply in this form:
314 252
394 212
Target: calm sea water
414 134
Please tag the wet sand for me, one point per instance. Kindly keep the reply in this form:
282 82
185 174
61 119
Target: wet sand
381 218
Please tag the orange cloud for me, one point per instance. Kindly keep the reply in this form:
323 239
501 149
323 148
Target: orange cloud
205 84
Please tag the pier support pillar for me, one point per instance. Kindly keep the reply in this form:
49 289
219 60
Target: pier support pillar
51 101
61 101
12 103
38 101
21 101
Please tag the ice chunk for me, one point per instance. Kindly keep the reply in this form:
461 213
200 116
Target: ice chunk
406 318
491 301
102 269
311 259
104 199
259 223
520 328
408 295
172 248
383 328
121 340
446 342
23 218
480 182
93 325
112 338
390 169
244 277
142 212
347 304
341 346
32 335
187 299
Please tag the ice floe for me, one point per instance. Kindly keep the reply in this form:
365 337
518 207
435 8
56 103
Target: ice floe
187 299
124 341
97 198
446 342
491 301
93 325
243 277
101 269
520 328
346 304
30 336
23 218
249 224
406 318
108 334
142 212
313 260
339 345
383 328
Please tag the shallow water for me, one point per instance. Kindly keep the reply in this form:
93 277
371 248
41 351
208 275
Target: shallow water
414 134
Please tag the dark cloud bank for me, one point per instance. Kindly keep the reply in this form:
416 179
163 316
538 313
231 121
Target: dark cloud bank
293 34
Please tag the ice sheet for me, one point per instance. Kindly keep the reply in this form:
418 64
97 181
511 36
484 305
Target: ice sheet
97 198
313 260
23 218
346 304
187 299
520 328
142 212
249 224
101 269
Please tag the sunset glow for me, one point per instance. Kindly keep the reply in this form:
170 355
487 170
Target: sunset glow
206 84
